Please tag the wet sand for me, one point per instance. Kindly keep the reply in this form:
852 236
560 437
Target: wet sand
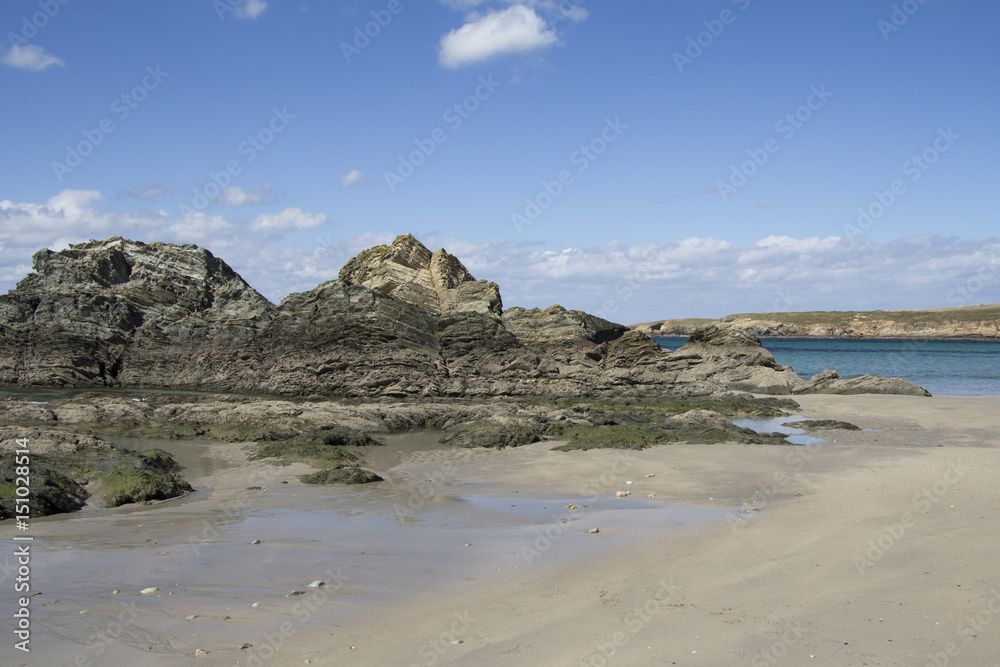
877 547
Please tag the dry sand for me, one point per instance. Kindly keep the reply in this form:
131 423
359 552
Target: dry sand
876 548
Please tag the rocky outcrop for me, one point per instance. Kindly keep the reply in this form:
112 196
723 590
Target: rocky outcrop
733 359
123 313
400 321
67 469
830 382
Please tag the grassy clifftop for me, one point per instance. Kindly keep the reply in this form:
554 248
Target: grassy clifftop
982 321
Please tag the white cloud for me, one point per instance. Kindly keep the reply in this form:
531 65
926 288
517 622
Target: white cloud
73 216
711 278
250 9
30 57
236 196
625 282
517 29
290 218
197 227
355 178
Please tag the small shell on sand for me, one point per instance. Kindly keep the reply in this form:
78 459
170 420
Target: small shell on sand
149 591
593 531
622 494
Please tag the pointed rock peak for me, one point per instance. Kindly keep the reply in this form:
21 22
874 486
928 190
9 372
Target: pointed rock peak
408 251
407 270
447 271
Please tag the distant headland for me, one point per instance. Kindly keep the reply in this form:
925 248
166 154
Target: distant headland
973 322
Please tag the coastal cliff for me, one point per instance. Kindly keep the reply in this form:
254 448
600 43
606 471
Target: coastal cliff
973 322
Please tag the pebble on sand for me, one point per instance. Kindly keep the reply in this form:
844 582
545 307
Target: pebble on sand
622 494
148 591
594 531
316 584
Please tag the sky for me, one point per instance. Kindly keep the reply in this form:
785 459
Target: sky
638 160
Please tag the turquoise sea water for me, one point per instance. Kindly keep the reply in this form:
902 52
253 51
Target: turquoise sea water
948 367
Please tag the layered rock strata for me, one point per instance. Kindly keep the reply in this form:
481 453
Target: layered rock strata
399 321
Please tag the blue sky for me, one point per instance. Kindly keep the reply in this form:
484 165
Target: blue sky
638 160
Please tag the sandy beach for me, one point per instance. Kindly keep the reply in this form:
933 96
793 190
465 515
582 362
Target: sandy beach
876 547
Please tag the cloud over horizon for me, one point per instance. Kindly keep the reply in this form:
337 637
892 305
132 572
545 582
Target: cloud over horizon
625 282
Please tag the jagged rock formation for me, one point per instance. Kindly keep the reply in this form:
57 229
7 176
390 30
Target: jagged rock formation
400 321
735 360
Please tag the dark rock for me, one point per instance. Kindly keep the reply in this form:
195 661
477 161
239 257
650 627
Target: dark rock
130 485
830 382
64 463
51 492
349 475
495 434
826 424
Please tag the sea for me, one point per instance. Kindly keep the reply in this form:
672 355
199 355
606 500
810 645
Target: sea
942 367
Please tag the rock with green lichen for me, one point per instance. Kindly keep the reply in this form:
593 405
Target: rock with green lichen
346 475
